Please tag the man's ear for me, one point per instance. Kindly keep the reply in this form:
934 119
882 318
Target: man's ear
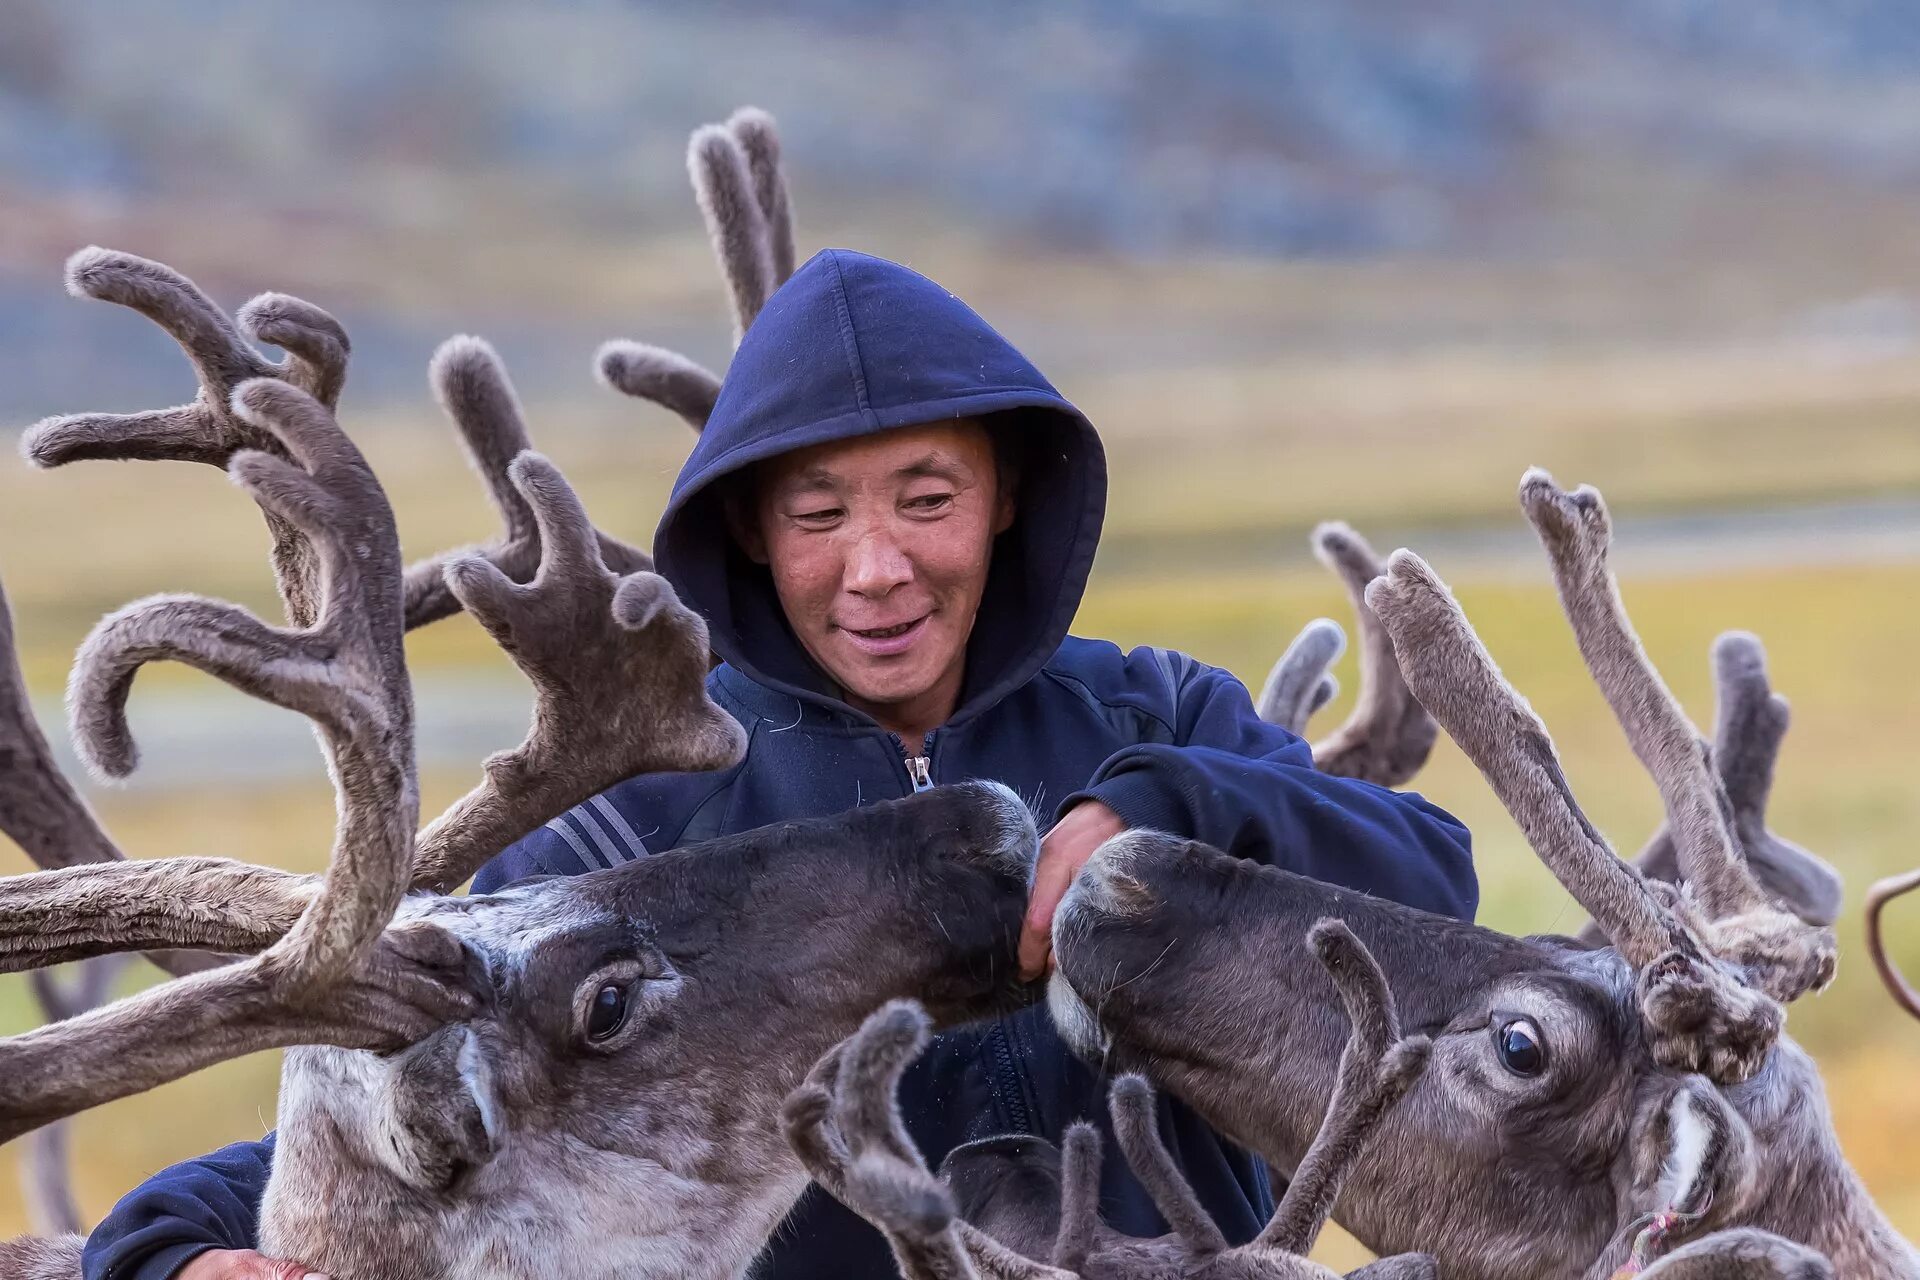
743 522
1006 499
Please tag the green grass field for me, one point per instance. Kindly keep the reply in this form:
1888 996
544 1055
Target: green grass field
1840 640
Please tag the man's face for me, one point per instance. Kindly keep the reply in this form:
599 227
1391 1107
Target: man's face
879 550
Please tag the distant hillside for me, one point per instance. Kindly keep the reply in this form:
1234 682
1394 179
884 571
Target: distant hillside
440 164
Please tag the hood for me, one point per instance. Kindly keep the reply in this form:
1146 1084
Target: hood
852 345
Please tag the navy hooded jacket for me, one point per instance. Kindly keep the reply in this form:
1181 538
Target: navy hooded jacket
853 345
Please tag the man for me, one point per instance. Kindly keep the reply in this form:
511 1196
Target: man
888 524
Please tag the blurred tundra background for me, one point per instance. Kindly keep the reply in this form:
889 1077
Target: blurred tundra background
1365 259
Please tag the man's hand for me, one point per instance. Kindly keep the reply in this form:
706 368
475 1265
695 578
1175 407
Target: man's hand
243 1264
1063 852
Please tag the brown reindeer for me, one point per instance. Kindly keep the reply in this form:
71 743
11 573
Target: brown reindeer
572 1077
847 1129
1586 1108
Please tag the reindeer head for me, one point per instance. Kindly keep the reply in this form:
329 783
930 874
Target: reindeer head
1572 1090
640 1010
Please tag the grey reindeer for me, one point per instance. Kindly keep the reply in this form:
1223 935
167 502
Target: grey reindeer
1588 1108
573 1077
847 1128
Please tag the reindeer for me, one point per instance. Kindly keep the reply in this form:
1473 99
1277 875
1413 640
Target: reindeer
845 1126
1586 1108
572 1077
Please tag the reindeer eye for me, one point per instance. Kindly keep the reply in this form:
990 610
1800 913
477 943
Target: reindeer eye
608 1013
1521 1049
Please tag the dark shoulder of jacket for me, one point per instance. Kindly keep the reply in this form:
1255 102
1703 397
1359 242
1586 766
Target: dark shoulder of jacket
658 811
1144 685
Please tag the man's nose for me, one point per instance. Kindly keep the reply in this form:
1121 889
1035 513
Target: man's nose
876 565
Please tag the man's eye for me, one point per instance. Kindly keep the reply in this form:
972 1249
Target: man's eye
825 516
930 502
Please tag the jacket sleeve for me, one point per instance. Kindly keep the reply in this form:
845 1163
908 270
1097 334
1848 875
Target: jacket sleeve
1231 780
180 1213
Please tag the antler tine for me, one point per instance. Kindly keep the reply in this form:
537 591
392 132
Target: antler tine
416 978
206 429
470 382
1783 956
1299 684
1389 735
1079 1196
1750 722
39 807
316 344
1700 1017
758 137
1136 1125
153 905
347 672
742 193
1883 892
885 1179
723 184
44 1169
1377 1067
1452 674
664 377
618 667
844 1125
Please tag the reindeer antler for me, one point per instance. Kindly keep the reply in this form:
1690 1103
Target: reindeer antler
1749 724
1299 683
743 199
1389 735
45 1169
1702 1014
346 671
1883 892
844 1124
1377 1067
1782 955
209 428
470 382
619 670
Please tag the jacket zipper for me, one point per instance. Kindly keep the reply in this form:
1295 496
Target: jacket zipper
920 767
1003 1074
1005 1079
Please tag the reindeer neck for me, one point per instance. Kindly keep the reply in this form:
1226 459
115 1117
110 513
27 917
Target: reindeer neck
1805 1188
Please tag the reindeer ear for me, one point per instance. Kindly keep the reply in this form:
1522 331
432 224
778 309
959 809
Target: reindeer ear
1009 1187
1692 1152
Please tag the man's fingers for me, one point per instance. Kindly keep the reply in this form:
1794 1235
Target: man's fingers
1051 876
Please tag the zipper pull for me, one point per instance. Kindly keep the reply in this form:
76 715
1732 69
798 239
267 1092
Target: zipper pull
920 769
